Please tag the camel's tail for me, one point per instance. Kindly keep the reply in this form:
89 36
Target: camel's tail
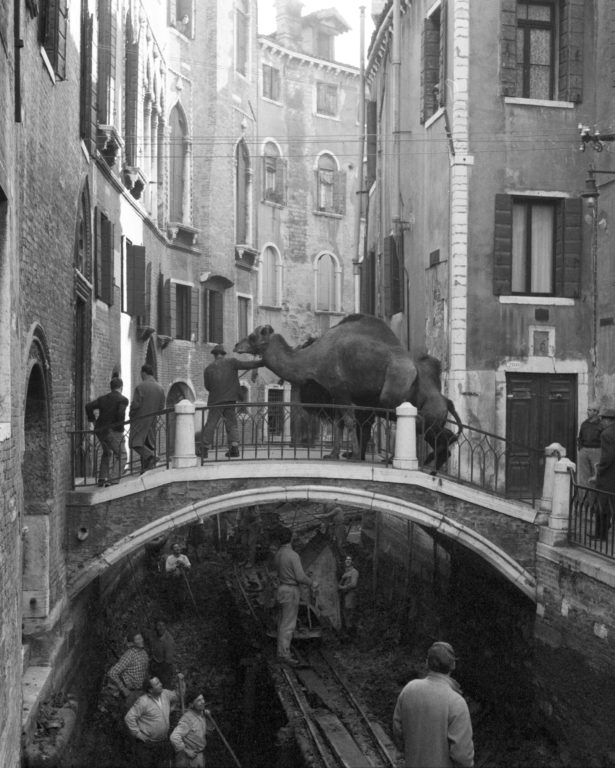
453 411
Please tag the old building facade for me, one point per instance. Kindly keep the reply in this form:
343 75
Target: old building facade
479 242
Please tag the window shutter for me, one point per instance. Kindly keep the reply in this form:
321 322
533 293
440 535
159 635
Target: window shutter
97 252
568 248
388 258
88 84
395 276
106 261
194 314
60 41
443 57
430 63
135 270
571 51
280 180
167 293
216 312
339 192
508 47
502 247
131 101
372 141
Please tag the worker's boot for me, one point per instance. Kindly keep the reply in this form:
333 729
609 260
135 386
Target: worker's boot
233 452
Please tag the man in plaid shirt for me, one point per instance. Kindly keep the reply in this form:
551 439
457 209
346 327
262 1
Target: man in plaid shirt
131 669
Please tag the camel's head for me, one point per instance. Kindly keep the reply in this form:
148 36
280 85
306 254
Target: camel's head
257 342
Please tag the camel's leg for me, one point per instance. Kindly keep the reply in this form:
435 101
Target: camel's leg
338 437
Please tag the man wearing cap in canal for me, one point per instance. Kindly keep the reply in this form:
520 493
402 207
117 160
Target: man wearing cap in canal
588 444
222 383
431 721
605 475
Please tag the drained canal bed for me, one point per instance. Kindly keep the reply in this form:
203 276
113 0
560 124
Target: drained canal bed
222 652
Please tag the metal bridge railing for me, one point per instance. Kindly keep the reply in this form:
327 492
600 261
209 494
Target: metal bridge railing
290 431
591 519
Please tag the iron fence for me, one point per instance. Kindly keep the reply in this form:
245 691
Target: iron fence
289 430
86 451
591 519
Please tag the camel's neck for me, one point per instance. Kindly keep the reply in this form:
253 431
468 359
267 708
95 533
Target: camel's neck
293 365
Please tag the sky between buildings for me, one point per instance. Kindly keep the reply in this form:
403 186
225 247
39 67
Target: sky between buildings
347 46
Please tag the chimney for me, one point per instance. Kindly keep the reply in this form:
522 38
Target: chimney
288 22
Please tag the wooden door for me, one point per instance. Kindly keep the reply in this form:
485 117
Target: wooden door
541 409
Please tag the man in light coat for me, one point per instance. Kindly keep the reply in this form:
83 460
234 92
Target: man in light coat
147 401
431 721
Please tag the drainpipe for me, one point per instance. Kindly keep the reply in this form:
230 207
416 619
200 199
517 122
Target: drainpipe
395 71
360 192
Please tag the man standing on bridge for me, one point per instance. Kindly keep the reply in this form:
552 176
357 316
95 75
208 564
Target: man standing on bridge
147 400
290 576
431 721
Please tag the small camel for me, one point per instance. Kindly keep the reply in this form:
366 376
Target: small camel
358 362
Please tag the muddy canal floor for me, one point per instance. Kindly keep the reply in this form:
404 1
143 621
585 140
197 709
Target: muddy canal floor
215 647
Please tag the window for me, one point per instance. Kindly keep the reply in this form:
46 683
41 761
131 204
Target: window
106 52
242 171
103 256
537 246
326 99
368 284
393 270
180 16
372 141
324 45
274 175
330 186
177 166
52 30
183 299
133 279
535 50
242 28
270 273
271 82
88 98
243 316
327 283
433 72
213 316
542 49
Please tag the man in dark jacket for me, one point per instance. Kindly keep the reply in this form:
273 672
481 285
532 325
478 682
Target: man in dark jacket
147 400
588 444
222 383
109 429
605 475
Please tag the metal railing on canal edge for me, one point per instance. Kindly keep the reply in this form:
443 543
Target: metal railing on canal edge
591 519
289 431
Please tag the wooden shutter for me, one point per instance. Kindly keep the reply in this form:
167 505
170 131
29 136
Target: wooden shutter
339 192
502 245
194 314
280 180
167 323
568 247
372 141
392 282
97 252
508 47
107 260
430 67
88 83
216 316
571 51
135 275
442 79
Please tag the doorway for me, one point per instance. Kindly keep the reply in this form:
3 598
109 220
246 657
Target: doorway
541 409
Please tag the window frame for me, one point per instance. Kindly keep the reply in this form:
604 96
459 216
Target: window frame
183 310
244 300
53 34
324 93
271 82
270 296
530 204
334 290
524 62
213 315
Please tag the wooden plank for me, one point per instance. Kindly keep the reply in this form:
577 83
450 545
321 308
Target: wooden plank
344 746
315 685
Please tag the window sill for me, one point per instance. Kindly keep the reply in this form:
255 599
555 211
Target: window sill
272 203
335 118
270 307
551 301
269 100
329 214
539 103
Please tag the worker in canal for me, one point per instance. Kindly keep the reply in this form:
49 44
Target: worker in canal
189 736
347 588
162 651
176 568
131 669
290 576
431 721
148 721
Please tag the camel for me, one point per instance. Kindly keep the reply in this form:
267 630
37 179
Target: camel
358 362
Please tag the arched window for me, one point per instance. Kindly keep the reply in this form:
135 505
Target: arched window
271 274
242 171
327 283
178 142
330 185
274 174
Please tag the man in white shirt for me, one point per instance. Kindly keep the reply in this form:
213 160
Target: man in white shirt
176 568
148 721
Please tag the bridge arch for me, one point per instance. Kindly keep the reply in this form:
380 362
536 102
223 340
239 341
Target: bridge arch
354 497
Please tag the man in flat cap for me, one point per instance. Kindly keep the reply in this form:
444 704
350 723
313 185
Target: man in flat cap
588 444
222 383
431 721
605 475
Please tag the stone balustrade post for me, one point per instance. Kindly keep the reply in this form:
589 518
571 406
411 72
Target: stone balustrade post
553 453
405 438
556 532
184 454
